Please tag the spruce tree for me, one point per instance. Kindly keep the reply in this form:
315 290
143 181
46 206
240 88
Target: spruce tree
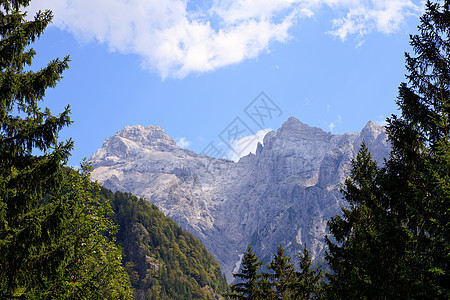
249 285
309 281
29 221
370 239
418 171
393 241
53 231
283 279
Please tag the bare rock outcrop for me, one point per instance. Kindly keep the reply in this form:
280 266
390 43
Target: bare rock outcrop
283 194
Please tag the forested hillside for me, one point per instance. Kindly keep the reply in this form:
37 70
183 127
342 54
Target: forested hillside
163 261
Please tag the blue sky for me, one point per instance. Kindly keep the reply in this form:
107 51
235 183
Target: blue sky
193 67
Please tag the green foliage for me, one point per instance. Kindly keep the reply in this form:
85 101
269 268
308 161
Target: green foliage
249 286
424 195
54 235
362 262
283 279
393 242
282 283
93 262
29 221
309 284
162 260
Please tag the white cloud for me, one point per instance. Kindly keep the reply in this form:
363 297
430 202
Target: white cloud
176 40
232 11
331 126
246 144
363 17
381 121
336 122
183 142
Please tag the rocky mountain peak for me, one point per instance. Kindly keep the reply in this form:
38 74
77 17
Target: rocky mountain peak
146 136
282 195
133 142
375 137
372 129
293 123
294 128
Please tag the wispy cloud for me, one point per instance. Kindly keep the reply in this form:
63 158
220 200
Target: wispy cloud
183 142
381 120
179 37
246 144
363 17
336 122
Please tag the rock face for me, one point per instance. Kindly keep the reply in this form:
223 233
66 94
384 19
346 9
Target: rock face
284 194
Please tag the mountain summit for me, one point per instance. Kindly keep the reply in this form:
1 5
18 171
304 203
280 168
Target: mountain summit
135 141
284 194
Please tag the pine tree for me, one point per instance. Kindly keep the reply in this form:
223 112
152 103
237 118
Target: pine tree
28 227
283 279
250 285
54 236
393 241
370 239
309 280
418 171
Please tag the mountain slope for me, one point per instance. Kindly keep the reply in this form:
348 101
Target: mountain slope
162 260
284 194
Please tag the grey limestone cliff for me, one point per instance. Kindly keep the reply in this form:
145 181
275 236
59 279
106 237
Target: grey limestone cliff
283 194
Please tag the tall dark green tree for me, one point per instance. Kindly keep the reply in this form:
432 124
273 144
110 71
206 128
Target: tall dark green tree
418 172
393 242
53 232
283 279
370 239
309 281
249 286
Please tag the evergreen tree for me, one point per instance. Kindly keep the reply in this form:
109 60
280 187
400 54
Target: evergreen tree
283 279
250 285
393 241
309 280
266 286
370 238
53 233
418 172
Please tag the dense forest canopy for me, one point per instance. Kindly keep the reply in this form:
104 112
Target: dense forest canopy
164 261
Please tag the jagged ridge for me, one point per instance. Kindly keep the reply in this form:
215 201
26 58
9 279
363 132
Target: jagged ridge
284 193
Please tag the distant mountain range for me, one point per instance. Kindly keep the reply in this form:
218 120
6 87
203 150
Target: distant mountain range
284 194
